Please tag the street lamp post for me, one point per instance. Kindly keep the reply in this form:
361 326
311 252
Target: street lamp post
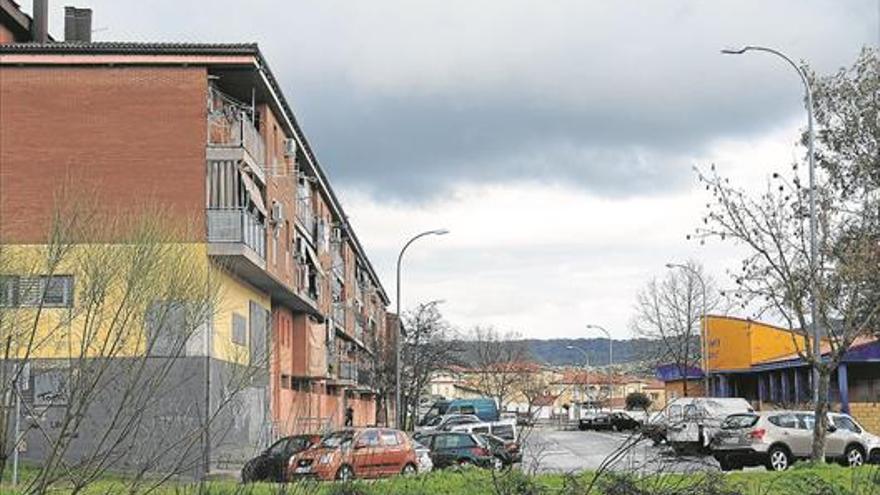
610 358
704 347
586 372
398 413
817 354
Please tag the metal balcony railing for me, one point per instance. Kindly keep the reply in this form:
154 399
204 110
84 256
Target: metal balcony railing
339 314
306 216
348 371
237 226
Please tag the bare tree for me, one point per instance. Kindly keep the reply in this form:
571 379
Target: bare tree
670 310
535 386
777 275
427 347
501 363
104 315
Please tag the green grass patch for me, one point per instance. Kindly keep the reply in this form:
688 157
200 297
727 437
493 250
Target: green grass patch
803 479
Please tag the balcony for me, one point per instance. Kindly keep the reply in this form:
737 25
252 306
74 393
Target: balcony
232 134
348 371
237 231
339 314
237 239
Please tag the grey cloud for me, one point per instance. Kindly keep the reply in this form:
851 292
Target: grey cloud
408 99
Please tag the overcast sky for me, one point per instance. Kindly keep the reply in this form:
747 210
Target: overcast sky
555 139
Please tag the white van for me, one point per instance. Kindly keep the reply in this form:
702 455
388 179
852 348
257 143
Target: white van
691 422
505 429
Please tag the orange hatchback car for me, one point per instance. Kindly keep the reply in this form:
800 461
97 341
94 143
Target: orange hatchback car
356 453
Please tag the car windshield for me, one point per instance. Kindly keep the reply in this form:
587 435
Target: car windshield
278 447
336 440
739 421
434 421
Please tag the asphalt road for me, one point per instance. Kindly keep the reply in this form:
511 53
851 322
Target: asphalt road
553 450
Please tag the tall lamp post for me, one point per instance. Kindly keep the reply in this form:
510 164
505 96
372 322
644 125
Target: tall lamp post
398 413
586 372
817 354
704 348
610 358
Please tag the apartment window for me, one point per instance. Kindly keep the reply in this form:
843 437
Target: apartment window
8 291
239 329
301 385
55 291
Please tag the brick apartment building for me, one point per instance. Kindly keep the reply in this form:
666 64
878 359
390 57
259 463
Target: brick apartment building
205 131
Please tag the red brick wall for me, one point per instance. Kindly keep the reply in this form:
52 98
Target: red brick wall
280 187
118 138
6 35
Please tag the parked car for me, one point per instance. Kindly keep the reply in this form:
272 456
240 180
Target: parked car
505 429
447 421
525 419
458 449
507 451
271 464
617 421
356 453
655 428
423 454
586 420
691 422
776 439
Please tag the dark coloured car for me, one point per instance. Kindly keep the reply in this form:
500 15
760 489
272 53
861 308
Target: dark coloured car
507 451
617 421
458 449
271 464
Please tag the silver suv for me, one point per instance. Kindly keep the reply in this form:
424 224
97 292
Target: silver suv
776 439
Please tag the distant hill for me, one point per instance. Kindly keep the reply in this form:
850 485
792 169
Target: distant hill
635 354
555 352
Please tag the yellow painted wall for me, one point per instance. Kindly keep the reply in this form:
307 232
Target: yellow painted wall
728 343
59 330
235 297
738 344
769 342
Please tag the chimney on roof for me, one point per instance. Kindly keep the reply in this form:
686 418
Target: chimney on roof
77 25
40 23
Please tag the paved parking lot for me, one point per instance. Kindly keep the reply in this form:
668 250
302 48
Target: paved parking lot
553 450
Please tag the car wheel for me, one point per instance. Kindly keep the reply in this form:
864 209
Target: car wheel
345 473
409 470
723 463
854 456
778 459
249 474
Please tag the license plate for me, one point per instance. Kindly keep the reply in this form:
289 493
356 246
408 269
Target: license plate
303 469
730 440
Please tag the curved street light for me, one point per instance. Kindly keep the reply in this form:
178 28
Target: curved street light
586 370
398 409
704 348
610 357
817 354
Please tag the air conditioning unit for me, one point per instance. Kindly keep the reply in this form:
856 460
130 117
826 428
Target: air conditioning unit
277 212
290 147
